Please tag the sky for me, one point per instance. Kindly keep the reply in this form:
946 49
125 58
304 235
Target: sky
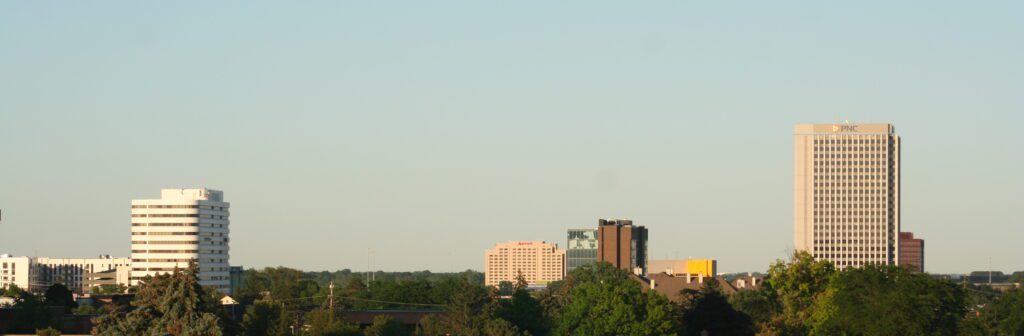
418 134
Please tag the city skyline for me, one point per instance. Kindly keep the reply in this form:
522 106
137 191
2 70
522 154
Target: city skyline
431 137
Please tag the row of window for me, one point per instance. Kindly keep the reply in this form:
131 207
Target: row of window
164 251
178 206
206 225
859 140
165 233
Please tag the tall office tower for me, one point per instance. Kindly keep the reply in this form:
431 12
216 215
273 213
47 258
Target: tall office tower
847 193
182 226
540 263
581 249
622 244
911 252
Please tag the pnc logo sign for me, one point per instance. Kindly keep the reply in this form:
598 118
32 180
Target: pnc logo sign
844 128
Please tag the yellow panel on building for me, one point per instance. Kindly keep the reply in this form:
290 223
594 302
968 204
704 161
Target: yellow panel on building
705 267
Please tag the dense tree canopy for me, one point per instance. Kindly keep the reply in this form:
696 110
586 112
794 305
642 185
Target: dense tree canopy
167 304
887 300
708 312
603 300
800 296
60 295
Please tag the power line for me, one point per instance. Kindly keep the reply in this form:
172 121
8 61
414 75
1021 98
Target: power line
359 299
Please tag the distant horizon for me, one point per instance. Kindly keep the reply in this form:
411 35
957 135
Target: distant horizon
428 132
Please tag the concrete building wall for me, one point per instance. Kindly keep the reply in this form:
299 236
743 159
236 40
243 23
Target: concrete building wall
699 267
539 263
15 271
846 193
37 274
183 225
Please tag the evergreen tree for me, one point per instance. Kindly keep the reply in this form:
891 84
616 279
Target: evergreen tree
265 318
384 325
60 295
167 304
708 311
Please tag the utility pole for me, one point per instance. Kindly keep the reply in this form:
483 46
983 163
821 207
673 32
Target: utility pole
331 298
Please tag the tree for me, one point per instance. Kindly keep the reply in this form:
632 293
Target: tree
797 285
31 313
1003 316
167 304
109 289
470 312
506 288
603 300
265 318
326 322
60 295
707 312
524 312
887 300
384 325
761 304
11 290
48 332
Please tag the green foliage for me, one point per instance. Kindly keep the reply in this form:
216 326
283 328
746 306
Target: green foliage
384 325
327 322
708 311
471 311
48 332
11 290
167 304
265 318
88 310
524 312
1003 316
506 288
109 289
887 300
60 295
761 304
603 300
797 285
31 313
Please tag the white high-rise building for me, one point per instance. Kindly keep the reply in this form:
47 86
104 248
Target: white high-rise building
847 193
183 225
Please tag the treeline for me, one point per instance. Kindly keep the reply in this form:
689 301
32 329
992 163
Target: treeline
799 297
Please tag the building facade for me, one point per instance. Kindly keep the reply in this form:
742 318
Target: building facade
622 244
37 274
539 263
581 249
696 267
15 271
184 225
847 193
911 252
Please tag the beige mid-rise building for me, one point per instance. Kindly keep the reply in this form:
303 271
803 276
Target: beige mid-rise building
539 263
847 193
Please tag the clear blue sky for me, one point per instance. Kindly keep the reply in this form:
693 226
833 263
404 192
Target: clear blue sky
428 131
